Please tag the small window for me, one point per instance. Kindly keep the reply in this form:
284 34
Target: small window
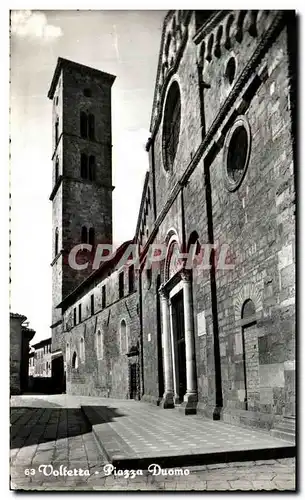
230 70
171 128
87 93
91 236
83 125
103 296
91 126
121 285
131 278
82 350
79 313
84 166
84 235
92 304
123 337
74 361
56 131
56 169
91 168
67 352
56 241
99 345
74 316
148 278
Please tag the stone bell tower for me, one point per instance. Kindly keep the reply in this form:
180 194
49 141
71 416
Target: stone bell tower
82 172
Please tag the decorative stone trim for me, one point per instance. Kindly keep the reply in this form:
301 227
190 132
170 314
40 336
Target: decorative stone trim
248 291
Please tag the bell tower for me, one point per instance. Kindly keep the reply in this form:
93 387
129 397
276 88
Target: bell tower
82 171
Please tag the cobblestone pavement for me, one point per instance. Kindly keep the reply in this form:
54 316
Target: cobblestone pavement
52 431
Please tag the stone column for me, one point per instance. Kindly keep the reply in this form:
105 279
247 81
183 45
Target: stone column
174 353
168 397
191 397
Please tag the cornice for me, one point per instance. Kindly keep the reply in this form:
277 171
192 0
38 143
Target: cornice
159 93
209 25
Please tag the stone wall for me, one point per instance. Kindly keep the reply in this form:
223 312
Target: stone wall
103 373
256 221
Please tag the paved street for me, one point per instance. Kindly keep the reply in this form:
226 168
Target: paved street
52 430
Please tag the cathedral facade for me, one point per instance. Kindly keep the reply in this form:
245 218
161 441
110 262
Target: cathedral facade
203 318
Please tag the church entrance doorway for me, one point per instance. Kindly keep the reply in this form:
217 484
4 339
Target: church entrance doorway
179 340
133 380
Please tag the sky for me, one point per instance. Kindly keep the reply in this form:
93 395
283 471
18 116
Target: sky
123 43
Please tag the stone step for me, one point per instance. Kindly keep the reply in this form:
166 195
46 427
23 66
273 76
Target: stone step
138 448
287 435
290 426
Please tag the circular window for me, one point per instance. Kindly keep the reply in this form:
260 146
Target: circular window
236 153
171 126
230 70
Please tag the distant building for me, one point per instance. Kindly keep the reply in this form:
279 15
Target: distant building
20 337
31 364
42 359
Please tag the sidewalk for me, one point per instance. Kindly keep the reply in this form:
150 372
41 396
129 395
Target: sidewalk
53 430
134 434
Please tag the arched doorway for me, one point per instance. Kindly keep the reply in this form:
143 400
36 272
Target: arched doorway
58 375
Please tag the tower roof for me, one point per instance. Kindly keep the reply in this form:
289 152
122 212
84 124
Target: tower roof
81 68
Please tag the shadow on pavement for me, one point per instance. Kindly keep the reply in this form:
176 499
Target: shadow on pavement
43 423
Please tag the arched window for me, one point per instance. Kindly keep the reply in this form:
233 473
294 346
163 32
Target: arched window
67 352
131 278
167 46
84 235
91 236
171 127
240 22
227 31
56 241
99 345
56 130
248 313
91 126
194 248
83 166
230 70
123 337
218 41
83 125
74 361
56 169
210 47
82 350
91 168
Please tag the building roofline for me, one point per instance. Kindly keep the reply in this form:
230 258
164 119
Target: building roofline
69 299
142 203
167 16
42 343
19 316
64 63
